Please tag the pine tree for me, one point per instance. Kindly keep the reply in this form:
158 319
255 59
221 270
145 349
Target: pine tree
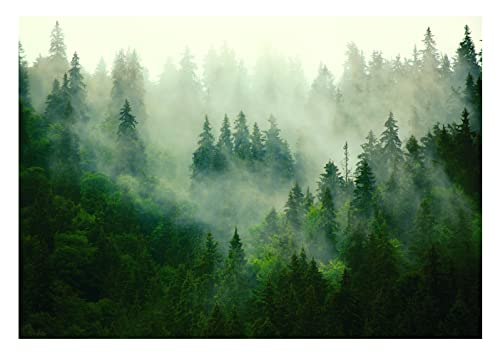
235 261
364 190
391 144
57 49
77 89
466 59
294 207
241 137
204 154
224 147
225 142
430 60
332 180
127 122
329 216
308 200
131 150
345 164
24 88
256 144
371 150
277 152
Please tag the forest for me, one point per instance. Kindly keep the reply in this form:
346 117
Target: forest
224 202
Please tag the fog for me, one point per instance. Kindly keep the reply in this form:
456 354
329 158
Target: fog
327 81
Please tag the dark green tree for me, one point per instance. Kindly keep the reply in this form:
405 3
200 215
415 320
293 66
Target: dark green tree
294 207
241 137
364 190
256 144
77 89
204 154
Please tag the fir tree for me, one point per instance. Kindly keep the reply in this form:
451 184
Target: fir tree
277 152
466 59
57 49
77 89
24 88
294 207
430 60
391 144
127 122
204 154
364 190
256 144
330 179
241 137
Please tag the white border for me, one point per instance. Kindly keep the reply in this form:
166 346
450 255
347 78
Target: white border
9 184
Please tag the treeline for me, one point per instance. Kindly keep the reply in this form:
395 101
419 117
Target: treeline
264 153
108 249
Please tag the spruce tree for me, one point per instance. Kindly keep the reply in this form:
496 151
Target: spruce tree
204 155
77 89
241 137
364 190
332 180
277 154
225 142
392 153
430 60
256 144
294 207
57 49
329 216
127 122
24 88
466 59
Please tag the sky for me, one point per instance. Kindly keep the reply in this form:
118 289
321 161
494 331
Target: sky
312 39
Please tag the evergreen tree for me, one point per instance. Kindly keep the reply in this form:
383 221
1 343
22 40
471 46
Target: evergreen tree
225 142
77 89
364 190
132 155
345 164
204 154
466 59
24 88
57 49
241 137
329 216
224 147
127 122
308 200
256 144
391 144
277 152
430 60
371 150
332 180
294 207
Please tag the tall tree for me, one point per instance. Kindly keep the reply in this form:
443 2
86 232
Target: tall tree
364 190
57 49
241 137
77 89
332 180
430 59
466 59
277 152
256 144
294 207
132 155
204 154
391 144
24 88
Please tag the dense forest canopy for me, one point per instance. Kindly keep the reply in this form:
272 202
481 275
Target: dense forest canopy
214 206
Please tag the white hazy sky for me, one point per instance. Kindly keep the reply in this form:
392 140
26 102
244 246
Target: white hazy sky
312 39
